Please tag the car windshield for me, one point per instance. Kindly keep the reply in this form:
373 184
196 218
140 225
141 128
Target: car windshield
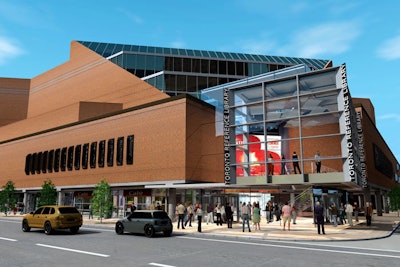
66 210
160 215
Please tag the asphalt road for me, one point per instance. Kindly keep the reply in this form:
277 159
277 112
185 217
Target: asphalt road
100 246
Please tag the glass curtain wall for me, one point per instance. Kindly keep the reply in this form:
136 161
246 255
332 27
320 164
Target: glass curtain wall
276 120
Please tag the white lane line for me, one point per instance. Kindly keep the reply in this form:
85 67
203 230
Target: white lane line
292 247
8 239
161 265
74 250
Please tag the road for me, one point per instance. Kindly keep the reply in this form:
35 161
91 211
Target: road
100 246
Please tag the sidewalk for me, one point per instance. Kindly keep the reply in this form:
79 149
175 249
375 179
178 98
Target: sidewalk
303 230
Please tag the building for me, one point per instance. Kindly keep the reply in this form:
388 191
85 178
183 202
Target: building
132 115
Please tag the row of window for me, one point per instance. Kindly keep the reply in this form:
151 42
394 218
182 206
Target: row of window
81 156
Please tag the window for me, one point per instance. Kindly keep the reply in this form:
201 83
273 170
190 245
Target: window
77 162
110 153
28 163
102 148
63 158
50 161
93 152
34 163
38 165
70 158
120 151
44 161
57 160
129 149
85 155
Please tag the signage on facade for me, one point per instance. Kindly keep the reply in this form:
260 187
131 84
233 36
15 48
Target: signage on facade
348 129
137 193
361 154
227 153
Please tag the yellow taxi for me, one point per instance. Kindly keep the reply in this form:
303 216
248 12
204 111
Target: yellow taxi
53 217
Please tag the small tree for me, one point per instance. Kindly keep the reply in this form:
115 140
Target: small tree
48 194
8 196
102 200
394 197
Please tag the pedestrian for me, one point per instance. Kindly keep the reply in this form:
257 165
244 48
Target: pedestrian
229 215
294 213
256 216
189 210
218 211
90 211
277 212
318 162
368 212
286 215
210 213
245 216
199 214
342 214
283 165
334 211
319 217
249 210
295 160
356 209
349 213
181 214
270 165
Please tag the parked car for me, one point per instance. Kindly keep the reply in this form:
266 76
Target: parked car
53 217
147 222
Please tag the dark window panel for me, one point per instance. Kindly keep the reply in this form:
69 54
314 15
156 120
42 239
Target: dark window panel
28 164
222 67
70 158
45 161
63 159
85 156
57 160
120 151
77 159
231 68
214 66
50 161
110 153
129 149
38 166
34 162
205 66
102 151
93 152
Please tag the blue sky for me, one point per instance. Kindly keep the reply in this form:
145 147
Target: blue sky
35 36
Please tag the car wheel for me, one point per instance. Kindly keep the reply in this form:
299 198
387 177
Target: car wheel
25 226
167 232
119 228
74 230
47 228
149 230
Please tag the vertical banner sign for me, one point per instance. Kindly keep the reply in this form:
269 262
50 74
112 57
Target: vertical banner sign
227 153
361 154
347 116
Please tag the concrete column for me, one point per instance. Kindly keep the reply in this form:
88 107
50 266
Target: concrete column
59 198
171 202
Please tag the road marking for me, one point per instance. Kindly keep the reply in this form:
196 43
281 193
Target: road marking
74 250
161 265
8 239
292 247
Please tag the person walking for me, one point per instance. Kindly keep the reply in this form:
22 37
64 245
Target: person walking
356 209
256 216
229 215
334 213
319 217
349 213
218 212
245 216
286 215
199 214
283 165
210 213
181 214
189 214
368 212
295 160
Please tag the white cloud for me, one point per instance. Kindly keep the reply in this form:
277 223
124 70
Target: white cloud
131 16
325 39
390 49
8 49
389 116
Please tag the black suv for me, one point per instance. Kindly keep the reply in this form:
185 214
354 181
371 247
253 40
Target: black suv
148 222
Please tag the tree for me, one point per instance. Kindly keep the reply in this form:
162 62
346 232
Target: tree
394 198
102 200
48 194
8 196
